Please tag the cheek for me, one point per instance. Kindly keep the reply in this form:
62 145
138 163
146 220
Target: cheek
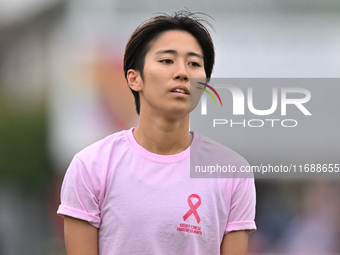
200 74
157 76
197 73
155 83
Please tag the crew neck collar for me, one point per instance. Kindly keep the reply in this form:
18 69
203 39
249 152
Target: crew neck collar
162 158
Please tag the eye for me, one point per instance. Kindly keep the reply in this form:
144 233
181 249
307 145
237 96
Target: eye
194 64
166 61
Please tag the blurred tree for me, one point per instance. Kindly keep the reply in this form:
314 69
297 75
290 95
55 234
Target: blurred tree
23 150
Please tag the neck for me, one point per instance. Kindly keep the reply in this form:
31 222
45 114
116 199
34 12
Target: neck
163 136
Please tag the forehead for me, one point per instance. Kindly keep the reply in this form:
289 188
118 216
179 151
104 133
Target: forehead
178 40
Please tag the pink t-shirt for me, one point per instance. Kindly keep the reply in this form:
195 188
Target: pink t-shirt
145 203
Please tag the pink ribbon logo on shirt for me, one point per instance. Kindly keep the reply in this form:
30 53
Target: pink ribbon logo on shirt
193 208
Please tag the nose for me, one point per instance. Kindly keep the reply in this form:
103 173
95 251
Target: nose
181 72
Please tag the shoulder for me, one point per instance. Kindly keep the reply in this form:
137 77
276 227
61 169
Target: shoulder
92 164
217 159
97 158
105 147
216 150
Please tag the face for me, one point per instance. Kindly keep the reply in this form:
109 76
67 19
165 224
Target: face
172 60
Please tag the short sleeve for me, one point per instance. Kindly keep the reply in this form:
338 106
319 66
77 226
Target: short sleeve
242 208
79 196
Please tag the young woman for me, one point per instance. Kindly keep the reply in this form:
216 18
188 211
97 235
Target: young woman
131 193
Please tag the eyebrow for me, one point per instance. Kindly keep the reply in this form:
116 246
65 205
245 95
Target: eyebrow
175 53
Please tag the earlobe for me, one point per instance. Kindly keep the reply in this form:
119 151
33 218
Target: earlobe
134 79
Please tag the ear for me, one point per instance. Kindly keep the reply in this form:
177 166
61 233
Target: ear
134 80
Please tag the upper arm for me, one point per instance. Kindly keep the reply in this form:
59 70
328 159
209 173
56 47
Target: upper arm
235 243
242 206
81 238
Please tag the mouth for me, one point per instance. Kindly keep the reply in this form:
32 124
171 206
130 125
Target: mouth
180 89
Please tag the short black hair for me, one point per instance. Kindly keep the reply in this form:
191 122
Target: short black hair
139 42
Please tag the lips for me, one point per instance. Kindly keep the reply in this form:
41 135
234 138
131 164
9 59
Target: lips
180 89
